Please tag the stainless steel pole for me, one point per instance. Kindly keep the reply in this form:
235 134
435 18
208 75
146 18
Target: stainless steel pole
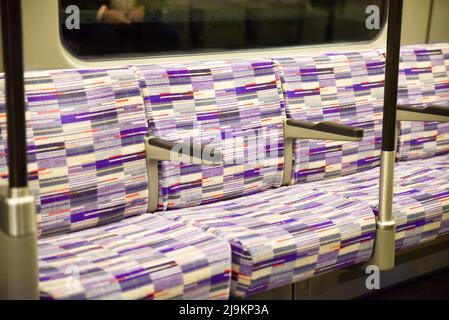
18 241
384 248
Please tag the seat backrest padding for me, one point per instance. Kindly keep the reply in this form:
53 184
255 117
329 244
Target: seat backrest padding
86 159
346 88
236 107
423 81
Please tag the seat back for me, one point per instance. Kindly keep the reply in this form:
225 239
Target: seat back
234 106
346 88
423 80
85 135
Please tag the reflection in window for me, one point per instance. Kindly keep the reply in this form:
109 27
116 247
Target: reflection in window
139 27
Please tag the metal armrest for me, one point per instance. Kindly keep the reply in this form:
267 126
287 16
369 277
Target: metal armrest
295 129
431 113
162 150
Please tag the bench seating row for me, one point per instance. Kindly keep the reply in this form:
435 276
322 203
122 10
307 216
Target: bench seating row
234 228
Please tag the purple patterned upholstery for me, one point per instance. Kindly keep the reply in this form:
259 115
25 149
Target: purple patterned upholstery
285 235
86 154
220 226
235 106
421 197
87 168
327 88
144 257
277 236
345 88
424 80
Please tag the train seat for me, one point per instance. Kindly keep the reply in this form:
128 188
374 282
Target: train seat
423 81
144 257
285 235
348 88
234 107
421 198
227 226
86 156
277 235
87 170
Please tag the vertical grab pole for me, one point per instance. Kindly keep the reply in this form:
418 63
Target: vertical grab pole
18 240
384 247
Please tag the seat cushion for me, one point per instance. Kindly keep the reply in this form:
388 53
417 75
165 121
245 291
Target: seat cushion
423 80
86 153
145 257
346 88
421 197
236 107
285 235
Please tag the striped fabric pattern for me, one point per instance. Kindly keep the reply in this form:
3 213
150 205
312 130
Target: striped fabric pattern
421 197
234 106
423 81
144 257
342 87
285 235
86 154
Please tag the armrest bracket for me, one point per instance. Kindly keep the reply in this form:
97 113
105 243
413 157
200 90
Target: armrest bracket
327 130
162 150
294 129
430 114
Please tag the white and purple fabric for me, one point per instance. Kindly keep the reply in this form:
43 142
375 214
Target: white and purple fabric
231 228
234 106
285 235
342 87
86 156
421 198
423 81
87 168
324 87
144 257
277 236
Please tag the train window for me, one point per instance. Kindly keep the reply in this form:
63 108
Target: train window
142 27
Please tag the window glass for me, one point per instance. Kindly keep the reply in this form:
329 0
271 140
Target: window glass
92 28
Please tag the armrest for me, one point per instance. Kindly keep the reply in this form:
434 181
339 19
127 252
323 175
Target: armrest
431 113
162 150
295 129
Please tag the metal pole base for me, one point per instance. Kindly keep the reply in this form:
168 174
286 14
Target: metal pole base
384 245
18 270
18 246
384 249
